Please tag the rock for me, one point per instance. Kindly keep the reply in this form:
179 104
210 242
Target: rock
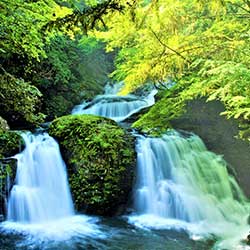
219 135
10 143
100 158
3 124
8 168
1 218
248 239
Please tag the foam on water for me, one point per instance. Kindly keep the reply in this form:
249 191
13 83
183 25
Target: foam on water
40 206
58 230
181 185
113 106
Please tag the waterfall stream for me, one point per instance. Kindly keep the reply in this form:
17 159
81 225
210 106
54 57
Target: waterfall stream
41 192
182 184
40 206
115 107
180 187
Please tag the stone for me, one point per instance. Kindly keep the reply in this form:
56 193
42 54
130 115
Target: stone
220 136
100 158
8 168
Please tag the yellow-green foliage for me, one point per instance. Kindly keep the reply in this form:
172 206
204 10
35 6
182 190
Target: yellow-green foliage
100 159
225 81
22 26
202 45
3 124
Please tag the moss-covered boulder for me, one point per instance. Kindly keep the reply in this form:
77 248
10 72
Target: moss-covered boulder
3 124
101 161
7 177
10 144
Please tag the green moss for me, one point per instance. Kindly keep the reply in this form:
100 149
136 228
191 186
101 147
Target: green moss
3 125
100 159
7 168
10 143
19 101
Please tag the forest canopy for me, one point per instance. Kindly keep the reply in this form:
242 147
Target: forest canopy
200 46
41 48
189 49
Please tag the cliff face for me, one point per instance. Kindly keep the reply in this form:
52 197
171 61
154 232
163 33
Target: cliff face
219 135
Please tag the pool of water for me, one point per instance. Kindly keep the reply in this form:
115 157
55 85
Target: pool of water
92 233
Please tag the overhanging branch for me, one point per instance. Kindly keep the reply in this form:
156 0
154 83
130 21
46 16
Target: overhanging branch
166 46
88 17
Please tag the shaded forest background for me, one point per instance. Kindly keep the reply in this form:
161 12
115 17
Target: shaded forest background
54 54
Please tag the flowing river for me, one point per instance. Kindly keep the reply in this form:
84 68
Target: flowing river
183 197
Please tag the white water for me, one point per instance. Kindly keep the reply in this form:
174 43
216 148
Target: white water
40 204
113 106
180 184
41 192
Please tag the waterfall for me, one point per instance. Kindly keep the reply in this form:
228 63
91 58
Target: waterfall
179 180
41 192
113 106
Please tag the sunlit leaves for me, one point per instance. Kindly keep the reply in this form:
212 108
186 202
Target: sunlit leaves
164 37
203 45
22 26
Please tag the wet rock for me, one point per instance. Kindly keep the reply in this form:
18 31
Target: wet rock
219 134
101 162
8 168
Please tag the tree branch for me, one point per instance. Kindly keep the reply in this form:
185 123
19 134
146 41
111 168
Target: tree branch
166 46
241 7
88 17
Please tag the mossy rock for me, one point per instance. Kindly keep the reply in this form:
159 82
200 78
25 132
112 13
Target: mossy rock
8 168
3 124
10 143
101 161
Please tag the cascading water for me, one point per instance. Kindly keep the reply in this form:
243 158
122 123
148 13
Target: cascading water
113 106
180 185
41 192
179 180
40 204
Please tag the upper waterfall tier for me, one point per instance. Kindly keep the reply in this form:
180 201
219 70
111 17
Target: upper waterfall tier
115 107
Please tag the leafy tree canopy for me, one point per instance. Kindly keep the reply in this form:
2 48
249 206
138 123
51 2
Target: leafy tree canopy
22 26
202 46
29 31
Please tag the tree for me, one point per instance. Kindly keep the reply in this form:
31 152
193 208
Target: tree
27 29
22 42
201 46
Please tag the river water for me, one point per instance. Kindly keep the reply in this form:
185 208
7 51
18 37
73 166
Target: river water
183 197
90 233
